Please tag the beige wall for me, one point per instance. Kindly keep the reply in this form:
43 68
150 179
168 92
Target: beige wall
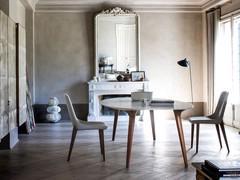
165 39
30 53
17 11
64 54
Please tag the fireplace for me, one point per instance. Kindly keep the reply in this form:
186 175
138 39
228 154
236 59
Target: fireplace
99 90
105 111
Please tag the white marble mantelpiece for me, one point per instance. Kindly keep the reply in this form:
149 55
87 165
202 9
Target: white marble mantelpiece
98 89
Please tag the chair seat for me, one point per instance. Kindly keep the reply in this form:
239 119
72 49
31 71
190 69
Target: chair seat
91 125
202 120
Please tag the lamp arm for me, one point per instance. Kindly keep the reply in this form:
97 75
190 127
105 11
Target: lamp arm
190 71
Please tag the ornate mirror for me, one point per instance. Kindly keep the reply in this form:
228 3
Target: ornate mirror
116 42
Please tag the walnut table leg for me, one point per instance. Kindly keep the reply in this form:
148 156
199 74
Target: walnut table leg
178 119
132 115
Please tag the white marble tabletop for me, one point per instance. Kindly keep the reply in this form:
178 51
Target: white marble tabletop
126 104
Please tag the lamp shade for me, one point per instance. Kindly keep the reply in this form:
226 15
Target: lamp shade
183 63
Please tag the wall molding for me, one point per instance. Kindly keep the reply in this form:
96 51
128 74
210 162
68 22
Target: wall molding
29 4
135 8
213 3
144 6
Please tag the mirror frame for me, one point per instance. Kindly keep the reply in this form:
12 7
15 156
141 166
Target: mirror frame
116 11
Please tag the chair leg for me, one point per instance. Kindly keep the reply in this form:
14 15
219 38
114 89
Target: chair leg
116 114
153 124
224 136
192 135
101 139
74 133
219 136
197 140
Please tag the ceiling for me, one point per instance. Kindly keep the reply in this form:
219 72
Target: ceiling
136 5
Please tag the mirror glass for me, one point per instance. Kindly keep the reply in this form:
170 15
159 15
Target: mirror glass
116 40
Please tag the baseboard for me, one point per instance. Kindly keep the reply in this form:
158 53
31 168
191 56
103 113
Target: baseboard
40 111
10 140
23 129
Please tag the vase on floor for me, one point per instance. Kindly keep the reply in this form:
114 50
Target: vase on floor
53 110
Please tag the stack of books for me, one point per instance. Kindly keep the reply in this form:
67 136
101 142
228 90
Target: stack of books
161 102
219 168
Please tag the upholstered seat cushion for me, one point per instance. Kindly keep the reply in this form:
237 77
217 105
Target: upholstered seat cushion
91 125
202 120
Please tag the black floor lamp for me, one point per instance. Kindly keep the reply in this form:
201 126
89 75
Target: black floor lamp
186 63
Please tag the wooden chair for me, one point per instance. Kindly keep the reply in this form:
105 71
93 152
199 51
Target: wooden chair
216 118
84 125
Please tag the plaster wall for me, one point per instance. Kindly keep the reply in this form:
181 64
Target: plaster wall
65 54
17 12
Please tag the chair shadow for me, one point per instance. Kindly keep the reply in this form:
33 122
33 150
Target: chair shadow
193 154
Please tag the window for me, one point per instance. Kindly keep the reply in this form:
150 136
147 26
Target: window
227 64
236 60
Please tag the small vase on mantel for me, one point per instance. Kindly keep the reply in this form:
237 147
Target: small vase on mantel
53 110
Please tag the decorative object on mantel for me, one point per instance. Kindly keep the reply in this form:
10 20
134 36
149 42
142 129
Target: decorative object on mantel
124 76
110 77
120 77
104 68
186 63
105 60
117 11
138 75
53 110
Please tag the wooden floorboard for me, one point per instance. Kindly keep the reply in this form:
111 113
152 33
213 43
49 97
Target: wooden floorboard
43 153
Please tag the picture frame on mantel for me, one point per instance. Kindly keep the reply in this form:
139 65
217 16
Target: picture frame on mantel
138 75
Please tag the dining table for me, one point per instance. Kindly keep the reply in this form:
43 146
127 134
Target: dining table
132 107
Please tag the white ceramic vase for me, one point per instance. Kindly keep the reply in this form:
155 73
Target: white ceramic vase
53 110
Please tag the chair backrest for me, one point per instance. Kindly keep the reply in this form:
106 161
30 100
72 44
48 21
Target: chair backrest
71 112
221 106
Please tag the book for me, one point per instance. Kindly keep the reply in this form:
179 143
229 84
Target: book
210 173
161 102
223 168
221 165
216 175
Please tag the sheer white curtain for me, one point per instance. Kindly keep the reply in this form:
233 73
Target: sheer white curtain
227 67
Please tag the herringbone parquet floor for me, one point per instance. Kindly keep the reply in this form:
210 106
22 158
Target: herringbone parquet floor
43 153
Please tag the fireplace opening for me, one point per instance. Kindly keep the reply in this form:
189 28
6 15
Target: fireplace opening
105 111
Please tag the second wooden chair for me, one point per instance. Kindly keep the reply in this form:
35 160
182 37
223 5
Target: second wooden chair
216 118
